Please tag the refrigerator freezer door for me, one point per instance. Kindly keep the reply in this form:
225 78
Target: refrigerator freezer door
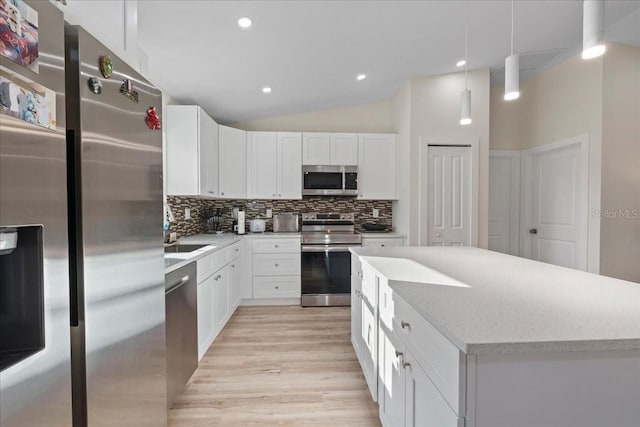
122 315
33 191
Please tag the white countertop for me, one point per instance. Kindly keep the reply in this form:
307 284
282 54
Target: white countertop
213 243
511 304
382 235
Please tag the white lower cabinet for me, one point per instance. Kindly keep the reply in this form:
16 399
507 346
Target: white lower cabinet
276 267
219 292
415 374
206 328
221 304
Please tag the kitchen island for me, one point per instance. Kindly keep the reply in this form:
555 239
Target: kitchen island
465 336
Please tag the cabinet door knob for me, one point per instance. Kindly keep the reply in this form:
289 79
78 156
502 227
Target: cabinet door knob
233 266
276 265
382 245
404 324
279 195
277 287
273 195
275 246
405 364
533 231
222 193
398 353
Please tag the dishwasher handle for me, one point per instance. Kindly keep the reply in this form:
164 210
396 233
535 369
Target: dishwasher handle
182 281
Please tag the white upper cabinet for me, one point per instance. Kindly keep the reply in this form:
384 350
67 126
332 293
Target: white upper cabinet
344 149
316 148
339 149
377 166
192 152
274 165
262 165
289 176
232 165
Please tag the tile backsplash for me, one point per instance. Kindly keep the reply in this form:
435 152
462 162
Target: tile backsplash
258 209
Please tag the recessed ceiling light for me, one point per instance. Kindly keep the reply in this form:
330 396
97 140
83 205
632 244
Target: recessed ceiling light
266 89
461 63
244 22
361 76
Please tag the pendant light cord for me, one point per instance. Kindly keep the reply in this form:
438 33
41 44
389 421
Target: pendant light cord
512 27
466 41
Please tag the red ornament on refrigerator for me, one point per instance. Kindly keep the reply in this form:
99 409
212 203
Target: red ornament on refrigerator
153 121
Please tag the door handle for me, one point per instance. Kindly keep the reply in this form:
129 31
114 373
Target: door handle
533 231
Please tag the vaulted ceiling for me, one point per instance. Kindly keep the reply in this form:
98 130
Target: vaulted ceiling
309 52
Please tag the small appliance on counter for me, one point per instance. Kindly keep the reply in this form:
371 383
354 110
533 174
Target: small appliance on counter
238 214
285 223
257 225
376 227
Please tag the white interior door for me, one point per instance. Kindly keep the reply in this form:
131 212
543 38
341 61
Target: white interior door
449 196
504 201
556 203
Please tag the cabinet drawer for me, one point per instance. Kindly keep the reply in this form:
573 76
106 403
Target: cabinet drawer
269 246
233 251
211 263
276 287
276 264
382 243
443 362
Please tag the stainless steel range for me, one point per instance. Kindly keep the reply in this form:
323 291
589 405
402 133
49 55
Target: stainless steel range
326 261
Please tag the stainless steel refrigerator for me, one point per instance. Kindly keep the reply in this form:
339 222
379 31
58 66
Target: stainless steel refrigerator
85 283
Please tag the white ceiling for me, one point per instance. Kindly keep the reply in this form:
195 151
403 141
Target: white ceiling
309 52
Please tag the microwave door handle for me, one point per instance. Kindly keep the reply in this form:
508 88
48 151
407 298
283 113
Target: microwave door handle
344 179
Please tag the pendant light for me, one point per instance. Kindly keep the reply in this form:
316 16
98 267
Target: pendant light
465 98
512 71
593 29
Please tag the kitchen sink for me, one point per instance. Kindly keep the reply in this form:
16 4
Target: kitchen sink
181 248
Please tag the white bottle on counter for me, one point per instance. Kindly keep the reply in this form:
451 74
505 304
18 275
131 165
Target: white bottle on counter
241 215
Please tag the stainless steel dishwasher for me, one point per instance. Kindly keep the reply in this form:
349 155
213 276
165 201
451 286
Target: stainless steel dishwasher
181 303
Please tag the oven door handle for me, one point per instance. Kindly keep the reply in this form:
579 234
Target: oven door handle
326 248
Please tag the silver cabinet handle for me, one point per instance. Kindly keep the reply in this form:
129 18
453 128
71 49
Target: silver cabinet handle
404 324
399 353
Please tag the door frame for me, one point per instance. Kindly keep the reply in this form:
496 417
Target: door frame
514 197
526 201
473 142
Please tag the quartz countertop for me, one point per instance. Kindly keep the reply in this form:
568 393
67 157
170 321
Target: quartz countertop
213 243
488 302
381 234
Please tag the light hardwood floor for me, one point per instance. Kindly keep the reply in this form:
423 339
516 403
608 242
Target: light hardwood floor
279 366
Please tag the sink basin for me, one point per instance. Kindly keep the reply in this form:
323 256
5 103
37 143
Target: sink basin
182 248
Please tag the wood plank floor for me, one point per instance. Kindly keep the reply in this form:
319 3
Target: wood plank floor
279 366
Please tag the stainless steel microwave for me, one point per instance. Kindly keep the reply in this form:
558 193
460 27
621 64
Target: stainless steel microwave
330 180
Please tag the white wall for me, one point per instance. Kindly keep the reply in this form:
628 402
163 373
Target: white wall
430 107
560 103
620 228
402 126
364 118
599 97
